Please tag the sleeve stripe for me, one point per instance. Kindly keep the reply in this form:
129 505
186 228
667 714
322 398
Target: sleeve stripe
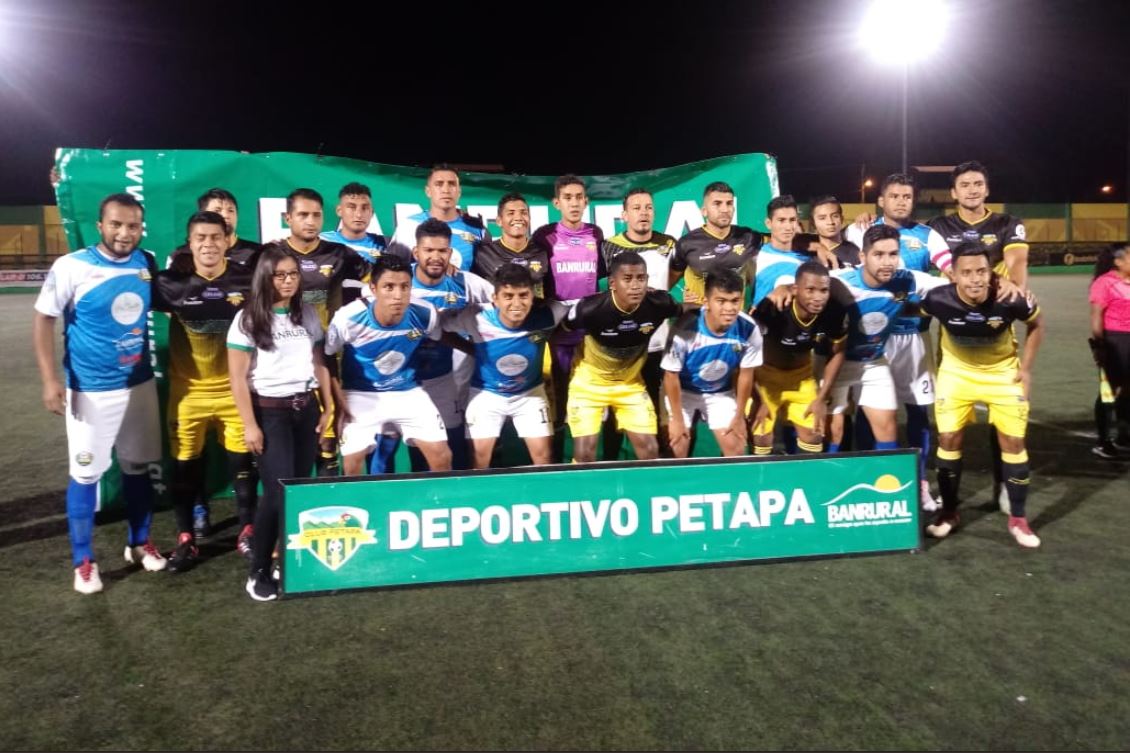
1014 245
237 346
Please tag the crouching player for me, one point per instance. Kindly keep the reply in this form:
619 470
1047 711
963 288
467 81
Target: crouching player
508 343
980 365
707 347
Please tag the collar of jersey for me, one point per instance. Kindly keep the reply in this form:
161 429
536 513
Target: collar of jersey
218 275
988 214
612 297
304 253
98 253
502 242
800 321
729 232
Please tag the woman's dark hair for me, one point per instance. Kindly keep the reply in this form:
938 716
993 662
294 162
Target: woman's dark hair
258 312
1104 262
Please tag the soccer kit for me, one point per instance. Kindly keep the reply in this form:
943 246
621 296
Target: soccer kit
699 252
997 232
775 267
371 246
323 269
467 234
847 254
378 375
243 253
707 363
492 255
610 359
507 379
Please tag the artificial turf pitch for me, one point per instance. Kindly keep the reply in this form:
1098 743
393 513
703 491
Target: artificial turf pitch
972 643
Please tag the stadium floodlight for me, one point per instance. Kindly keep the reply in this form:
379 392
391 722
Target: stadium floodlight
902 32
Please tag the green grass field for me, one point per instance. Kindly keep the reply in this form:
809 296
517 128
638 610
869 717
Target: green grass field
971 644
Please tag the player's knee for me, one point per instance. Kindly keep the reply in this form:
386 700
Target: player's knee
133 467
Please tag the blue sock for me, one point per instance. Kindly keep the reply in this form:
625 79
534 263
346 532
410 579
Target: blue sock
918 433
788 436
864 438
81 501
886 445
833 447
383 459
457 441
138 493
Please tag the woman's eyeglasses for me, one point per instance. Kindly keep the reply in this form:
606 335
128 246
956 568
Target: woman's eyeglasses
283 276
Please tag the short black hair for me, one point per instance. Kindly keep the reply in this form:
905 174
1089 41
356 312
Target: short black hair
811 268
354 189
221 194
969 248
784 201
896 179
969 166
635 192
726 280
825 199
568 179
1104 262
387 263
877 233
433 228
207 218
801 241
122 199
717 187
303 193
509 198
514 275
625 259
441 167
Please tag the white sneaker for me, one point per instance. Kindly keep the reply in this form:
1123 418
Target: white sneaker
929 502
87 579
145 555
1002 500
1020 531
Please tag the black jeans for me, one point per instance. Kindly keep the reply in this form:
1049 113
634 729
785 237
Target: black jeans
289 447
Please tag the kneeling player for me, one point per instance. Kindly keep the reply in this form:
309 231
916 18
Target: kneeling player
509 346
786 381
707 347
980 365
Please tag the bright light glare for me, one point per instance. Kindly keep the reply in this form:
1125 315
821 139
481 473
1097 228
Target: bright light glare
899 32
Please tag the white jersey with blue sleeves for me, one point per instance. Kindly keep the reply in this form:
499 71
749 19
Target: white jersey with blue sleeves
467 232
707 362
775 267
874 312
105 306
449 296
376 358
507 361
371 246
920 246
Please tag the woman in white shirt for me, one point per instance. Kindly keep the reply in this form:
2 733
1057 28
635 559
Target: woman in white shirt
276 361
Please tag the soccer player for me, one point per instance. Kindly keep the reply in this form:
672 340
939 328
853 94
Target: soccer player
203 304
709 367
467 231
355 211
835 251
776 262
377 339
718 244
786 380
444 376
239 250
103 293
618 325
325 267
514 247
980 365
509 347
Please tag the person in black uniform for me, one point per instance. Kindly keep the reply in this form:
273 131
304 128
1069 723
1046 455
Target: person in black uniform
514 247
239 250
718 244
835 251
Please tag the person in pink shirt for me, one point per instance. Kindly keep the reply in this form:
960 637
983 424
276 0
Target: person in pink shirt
1110 345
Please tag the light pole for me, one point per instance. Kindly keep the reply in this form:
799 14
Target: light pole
884 36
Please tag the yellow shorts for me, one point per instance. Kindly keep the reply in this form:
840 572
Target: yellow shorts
792 391
629 401
191 413
959 390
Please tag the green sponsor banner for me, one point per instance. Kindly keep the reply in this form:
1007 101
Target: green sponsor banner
431 528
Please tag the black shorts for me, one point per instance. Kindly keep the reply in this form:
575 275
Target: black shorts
1116 359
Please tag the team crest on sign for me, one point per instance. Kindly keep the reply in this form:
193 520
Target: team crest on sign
332 534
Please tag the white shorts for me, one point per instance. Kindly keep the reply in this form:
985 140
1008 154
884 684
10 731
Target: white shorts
912 368
409 413
444 394
866 384
716 408
127 420
488 411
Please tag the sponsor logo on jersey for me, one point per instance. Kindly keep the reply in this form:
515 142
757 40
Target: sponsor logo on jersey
712 371
647 328
332 534
975 317
144 274
989 239
739 249
389 362
414 334
235 299
535 266
913 244
1021 233
873 323
512 365
451 298
308 266
996 322
326 270
467 237
127 308
212 294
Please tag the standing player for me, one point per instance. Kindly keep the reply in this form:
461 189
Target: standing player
514 247
718 244
239 251
110 400
467 231
776 262
709 367
509 347
618 325
377 339
980 365
203 304
439 370
834 251
786 380
355 210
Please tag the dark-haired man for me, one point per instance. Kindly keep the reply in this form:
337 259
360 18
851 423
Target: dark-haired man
718 244
514 247
468 232
355 213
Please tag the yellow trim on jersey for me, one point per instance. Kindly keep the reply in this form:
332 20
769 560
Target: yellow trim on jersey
729 232
802 322
502 242
223 268
299 251
1014 245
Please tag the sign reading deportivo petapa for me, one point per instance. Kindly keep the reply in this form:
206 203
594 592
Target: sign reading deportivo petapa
430 528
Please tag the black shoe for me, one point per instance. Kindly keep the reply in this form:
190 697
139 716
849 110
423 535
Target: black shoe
184 556
262 588
327 465
1105 450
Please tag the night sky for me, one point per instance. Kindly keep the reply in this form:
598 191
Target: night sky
1037 90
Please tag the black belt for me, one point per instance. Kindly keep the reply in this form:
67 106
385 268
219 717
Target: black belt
296 401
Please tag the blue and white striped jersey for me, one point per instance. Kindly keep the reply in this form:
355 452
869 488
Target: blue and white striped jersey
467 232
873 315
507 361
451 294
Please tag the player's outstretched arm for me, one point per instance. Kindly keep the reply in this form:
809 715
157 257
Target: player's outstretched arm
43 336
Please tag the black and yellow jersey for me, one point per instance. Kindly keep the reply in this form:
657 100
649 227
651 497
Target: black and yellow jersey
243 252
788 338
202 310
978 337
996 232
699 252
847 254
615 344
324 268
492 255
